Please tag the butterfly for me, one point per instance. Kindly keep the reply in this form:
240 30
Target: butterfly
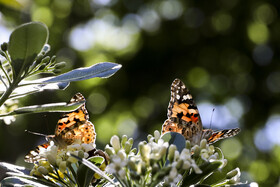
184 118
71 127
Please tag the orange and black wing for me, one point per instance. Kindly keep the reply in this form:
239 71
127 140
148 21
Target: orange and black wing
182 108
219 135
33 155
182 112
74 126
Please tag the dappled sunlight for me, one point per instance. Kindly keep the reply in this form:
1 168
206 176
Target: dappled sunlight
225 51
268 137
222 117
103 33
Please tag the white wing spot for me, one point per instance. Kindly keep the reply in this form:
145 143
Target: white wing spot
177 97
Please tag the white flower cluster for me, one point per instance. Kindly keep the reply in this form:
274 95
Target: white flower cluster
55 157
149 165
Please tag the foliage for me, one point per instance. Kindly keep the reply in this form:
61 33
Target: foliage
162 161
26 56
226 51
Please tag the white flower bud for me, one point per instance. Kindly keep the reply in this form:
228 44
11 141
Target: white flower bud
124 140
171 152
156 135
122 154
42 170
196 150
74 147
203 144
109 150
87 147
51 159
173 173
86 155
188 144
115 142
186 165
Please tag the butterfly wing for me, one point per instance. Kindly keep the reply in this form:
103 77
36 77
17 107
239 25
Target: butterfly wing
71 127
219 135
74 126
182 107
184 118
33 155
182 112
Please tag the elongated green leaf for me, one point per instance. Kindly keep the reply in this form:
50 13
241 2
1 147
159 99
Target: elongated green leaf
25 44
84 174
176 139
14 168
93 167
102 70
53 107
30 88
207 168
223 177
25 179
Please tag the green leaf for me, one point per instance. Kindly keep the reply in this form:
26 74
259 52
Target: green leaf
207 168
25 43
176 139
102 70
14 168
93 168
52 107
30 88
85 174
25 179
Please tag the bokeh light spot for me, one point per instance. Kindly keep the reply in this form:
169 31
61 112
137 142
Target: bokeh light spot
258 33
43 14
261 141
105 128
272 129
96 103
150 20
5 33
102 2
171 9
231 148
259 170
262 54
265 13
221 21
220 119
198 77
107 33
235 106
126 124
143 107
62 8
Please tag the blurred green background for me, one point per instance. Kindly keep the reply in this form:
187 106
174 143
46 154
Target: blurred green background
225 51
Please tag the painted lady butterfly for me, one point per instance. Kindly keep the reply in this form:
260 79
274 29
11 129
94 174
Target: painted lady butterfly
71 127
184 118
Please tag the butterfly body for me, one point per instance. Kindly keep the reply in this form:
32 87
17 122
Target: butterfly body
72 127
183 117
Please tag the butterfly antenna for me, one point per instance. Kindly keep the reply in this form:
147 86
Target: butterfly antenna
211 117
36 133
